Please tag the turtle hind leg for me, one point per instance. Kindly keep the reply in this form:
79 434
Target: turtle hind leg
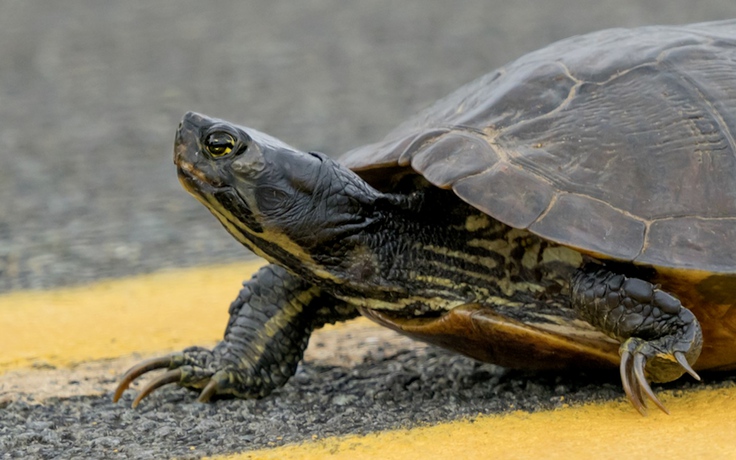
268 330
660 339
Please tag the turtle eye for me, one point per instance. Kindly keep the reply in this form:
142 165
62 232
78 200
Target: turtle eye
219 144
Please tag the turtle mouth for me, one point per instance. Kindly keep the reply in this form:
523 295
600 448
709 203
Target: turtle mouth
196 173
196 181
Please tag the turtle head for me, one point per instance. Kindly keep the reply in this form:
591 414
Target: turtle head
282 203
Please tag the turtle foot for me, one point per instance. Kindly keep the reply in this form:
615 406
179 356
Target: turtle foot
642 361
208 372
189 368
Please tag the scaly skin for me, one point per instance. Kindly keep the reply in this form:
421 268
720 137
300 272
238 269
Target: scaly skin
337 245
660 338
268 331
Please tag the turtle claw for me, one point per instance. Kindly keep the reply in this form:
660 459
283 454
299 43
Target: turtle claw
634 387
202 370
136 371
208 391
682 361
172 376
188 368
639 362
638 358
635 382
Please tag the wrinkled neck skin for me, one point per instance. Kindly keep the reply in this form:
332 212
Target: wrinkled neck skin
403 258
410 248
416 251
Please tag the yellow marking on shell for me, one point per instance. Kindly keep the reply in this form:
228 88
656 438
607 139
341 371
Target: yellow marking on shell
477 222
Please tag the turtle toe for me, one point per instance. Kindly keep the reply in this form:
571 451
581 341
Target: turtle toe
643 361
188 368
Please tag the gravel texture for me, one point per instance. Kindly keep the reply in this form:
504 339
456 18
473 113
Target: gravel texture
401 390
91 93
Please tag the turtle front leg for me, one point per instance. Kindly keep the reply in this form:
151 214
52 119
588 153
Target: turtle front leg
660 339
268 331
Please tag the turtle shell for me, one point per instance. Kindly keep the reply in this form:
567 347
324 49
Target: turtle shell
618 143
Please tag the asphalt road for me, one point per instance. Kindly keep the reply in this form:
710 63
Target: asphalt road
90 95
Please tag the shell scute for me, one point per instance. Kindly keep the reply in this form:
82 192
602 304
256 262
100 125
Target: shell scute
454 156
616 143
520 209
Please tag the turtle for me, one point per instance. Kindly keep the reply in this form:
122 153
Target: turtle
573 209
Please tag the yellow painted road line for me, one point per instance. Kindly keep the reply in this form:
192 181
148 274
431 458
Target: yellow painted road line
151 313
702 426
172 310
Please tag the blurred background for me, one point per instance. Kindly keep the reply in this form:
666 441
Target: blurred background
92 91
